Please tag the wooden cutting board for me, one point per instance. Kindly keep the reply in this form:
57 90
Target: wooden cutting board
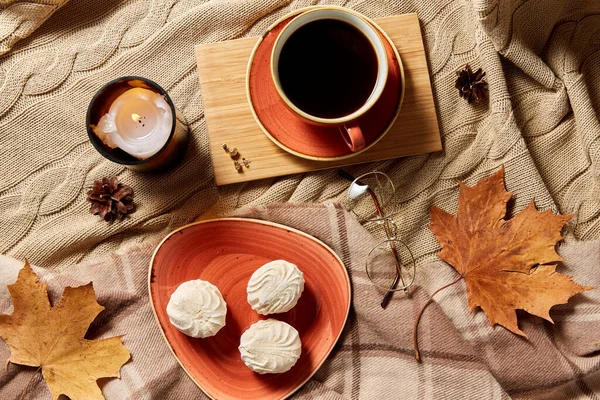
222 70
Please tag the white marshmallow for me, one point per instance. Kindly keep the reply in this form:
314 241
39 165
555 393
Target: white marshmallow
275 287
197 309
270 347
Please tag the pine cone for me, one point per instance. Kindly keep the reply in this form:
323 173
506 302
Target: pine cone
471 85
111 199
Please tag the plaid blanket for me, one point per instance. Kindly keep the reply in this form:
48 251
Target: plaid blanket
463 357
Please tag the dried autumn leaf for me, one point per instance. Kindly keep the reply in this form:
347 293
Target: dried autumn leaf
503 262
53 337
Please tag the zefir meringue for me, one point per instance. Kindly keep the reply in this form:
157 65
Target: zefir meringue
197 309
270 347
275 287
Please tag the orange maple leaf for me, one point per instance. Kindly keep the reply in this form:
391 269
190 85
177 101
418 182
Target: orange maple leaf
504 262
53 337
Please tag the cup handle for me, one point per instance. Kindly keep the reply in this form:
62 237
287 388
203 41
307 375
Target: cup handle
353 136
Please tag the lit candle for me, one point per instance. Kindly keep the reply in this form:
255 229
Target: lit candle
133 122
138 122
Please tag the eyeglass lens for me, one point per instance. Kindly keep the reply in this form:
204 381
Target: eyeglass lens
388 260
370 196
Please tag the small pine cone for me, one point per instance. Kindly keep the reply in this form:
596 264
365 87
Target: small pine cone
471 85
111 199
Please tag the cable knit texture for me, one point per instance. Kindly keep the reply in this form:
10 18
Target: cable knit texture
18 19
541 120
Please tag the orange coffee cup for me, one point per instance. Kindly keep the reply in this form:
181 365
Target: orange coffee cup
330 67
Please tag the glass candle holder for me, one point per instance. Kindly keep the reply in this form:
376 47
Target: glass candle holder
132 121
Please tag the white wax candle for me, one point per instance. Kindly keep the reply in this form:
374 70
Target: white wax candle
138 122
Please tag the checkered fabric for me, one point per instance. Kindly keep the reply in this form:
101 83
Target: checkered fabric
463 357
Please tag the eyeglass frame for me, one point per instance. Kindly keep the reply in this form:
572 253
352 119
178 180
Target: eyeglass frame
391 237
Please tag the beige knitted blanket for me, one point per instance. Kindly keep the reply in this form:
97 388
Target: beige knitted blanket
541 58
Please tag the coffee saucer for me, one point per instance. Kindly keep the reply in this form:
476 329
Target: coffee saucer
292 133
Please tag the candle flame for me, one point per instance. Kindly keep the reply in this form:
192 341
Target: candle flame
135 117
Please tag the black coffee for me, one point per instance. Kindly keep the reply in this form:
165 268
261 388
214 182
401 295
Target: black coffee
328 68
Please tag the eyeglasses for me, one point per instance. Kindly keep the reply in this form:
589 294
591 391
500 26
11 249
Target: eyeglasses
390 265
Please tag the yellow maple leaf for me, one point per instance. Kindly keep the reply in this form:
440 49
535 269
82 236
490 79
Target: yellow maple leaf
52 338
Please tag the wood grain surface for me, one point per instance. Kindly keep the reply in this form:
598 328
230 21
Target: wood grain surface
222 70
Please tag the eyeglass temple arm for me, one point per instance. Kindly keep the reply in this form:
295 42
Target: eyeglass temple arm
346 175
388 295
